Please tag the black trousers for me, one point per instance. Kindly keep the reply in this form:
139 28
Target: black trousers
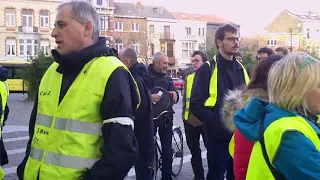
165 133
193 141
219 160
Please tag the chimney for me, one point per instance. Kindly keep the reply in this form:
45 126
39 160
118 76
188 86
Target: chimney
139 5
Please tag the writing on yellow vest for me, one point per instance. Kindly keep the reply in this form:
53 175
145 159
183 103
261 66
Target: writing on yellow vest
4 91
188 90
213 92
67 136
258 168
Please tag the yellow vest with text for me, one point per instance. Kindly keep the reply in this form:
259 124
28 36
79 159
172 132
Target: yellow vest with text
213 87
188 95
258 168
4 91
67 135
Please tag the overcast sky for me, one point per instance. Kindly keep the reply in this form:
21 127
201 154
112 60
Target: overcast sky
252 15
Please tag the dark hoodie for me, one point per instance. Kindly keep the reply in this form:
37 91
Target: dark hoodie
143 120
120 149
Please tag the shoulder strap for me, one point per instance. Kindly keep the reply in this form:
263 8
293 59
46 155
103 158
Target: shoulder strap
276 174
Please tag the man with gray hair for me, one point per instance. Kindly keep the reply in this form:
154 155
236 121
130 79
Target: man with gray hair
157 77
81 126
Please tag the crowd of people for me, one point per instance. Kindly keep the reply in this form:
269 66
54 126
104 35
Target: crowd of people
93 120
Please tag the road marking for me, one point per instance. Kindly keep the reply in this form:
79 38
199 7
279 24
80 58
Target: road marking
16 151
186 159
16 139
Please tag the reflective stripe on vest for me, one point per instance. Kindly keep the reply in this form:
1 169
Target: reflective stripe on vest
258 168
4 91
188 95
67 135
213 92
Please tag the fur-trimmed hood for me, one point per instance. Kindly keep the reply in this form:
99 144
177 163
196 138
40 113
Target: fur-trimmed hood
238 99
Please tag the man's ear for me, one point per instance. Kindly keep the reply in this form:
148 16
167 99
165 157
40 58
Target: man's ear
219 42
88 29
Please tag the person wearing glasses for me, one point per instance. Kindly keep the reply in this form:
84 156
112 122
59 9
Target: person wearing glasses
192 125
211 82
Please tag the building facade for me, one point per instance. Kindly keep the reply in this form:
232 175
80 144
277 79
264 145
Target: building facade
296 32
25 28
161 29
130 29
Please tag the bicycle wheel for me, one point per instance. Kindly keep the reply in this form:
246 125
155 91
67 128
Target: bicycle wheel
177 148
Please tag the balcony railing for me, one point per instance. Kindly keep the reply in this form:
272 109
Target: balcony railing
167 36
27 29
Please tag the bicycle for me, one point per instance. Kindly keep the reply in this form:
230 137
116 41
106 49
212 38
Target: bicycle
177 153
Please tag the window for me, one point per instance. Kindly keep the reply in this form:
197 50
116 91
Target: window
102 22
28 47
272 42
170 49
187 49
10 47
151 29
44 19
118 44
188 30
201 32
10 18
44 47
135 27
308 33
151 49
99 2
118 26
27 18
135 46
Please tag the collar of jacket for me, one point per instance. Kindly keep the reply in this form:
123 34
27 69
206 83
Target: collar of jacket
152 71
73 63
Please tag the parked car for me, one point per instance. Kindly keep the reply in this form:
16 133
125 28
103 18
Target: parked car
178 83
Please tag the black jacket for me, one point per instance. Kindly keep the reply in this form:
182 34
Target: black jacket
3 153
120 148
230 76
161 80
143 123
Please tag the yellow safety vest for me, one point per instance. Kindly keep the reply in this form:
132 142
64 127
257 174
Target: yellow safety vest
4 91
258 168
213 90
67 136
188 95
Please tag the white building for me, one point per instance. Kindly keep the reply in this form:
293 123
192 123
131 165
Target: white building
192 36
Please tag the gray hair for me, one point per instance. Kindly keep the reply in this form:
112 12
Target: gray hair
84 12
157 56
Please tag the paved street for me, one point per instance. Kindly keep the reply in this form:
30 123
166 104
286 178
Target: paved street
15 135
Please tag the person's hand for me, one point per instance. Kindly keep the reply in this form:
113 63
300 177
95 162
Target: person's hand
174 95
155 98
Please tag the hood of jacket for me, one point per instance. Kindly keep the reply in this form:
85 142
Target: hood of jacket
238 99
138 69
3 74
72 63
